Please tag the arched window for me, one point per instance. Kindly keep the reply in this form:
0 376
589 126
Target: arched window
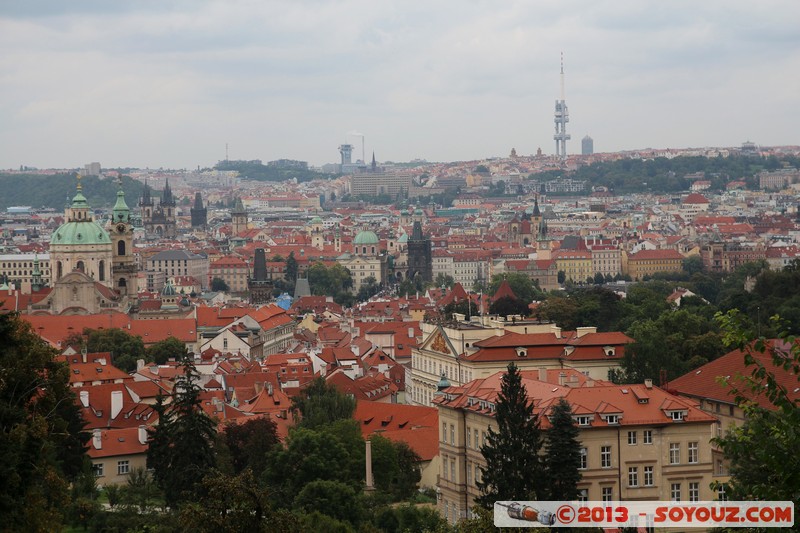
80 266
121 247
122 283
102 267
59 270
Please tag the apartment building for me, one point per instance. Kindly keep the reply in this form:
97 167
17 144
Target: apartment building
648 262
638 442
180 263
460 352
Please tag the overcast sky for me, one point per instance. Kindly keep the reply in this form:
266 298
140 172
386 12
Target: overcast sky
162 83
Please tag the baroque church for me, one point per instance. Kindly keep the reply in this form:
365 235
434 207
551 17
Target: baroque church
93 268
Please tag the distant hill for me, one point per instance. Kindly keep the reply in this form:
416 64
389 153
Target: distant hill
53 191
667 175
259 172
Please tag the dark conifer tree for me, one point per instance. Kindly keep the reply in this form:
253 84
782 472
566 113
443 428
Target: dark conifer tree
514 470
562 457
181 446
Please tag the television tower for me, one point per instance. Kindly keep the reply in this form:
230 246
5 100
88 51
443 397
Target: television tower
561 118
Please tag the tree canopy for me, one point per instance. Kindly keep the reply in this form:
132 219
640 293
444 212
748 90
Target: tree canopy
42 438
514 469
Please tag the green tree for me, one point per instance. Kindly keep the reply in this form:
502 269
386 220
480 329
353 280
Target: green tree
513 466
561 277
395 466
218 284
249 443
693 264
507 305
521 285
368 289
763 451
308 456
181 445
598 278
291 269
124 348
444 280
562 457
162 351
235 503
333 498
42 441
320 404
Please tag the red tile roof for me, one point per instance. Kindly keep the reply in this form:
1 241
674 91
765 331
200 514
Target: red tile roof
703 382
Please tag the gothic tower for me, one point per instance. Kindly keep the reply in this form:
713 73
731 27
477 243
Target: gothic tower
420 260
168 207
199 213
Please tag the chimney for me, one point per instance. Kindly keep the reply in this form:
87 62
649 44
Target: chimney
543 374
142 434
97 439
648 383
369 486
562 377
269 388
411 333
583 331
258 387
85 398
139 364
116 403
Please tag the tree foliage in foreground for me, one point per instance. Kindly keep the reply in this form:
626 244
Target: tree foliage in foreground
765 464
321 403
42 442
181 450
562 457
514 470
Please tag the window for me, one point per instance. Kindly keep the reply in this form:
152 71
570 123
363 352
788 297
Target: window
444 431
608 494
452 434
98 469
477 474
444 467
675 492
612 419
721 496
677 416
469 474
647 436
694 491
452 470
123 467
648 476
633 476
446 510
631 438
583 420
583 495
720 467
584 464
674 453
605 457
477 446
693 452
468 444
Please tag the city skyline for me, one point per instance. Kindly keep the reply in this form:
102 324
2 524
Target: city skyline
169 84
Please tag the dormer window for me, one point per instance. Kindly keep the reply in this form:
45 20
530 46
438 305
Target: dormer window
521 352
677 416
610 351
612 419
583 420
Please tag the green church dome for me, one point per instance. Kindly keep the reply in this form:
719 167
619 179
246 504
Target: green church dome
83 232
366 238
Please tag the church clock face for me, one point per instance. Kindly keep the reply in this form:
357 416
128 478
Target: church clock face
121 228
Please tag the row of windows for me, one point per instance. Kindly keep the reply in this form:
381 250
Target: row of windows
123 468
674 451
